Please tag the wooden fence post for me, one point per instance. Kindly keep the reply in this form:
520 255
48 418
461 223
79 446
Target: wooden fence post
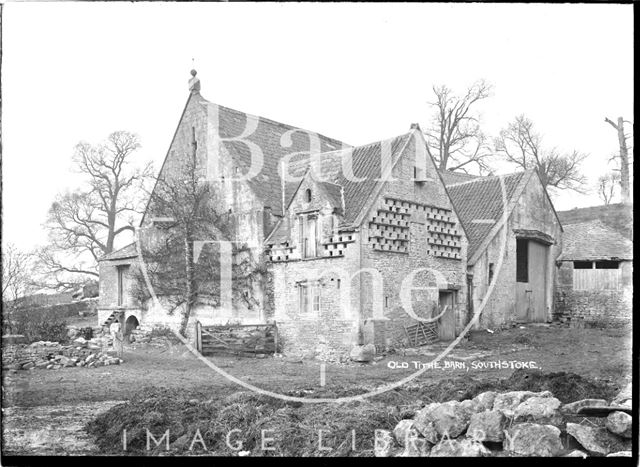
199 336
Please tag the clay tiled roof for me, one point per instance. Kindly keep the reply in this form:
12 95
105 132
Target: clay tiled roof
479 204
129 251
594 240
367 173
272 138
450 178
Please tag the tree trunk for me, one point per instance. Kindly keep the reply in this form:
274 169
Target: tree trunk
624 159
190 292
624 163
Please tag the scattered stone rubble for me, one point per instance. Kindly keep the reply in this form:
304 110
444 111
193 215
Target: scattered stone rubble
516 423
54 356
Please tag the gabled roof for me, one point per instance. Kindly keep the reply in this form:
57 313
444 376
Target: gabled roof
351 192
593 240
272 137
479 204
129 251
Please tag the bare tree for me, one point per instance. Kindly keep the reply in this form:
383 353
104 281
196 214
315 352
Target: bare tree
16 275
607 185
623 158
521 145
455 139
186 209
84 224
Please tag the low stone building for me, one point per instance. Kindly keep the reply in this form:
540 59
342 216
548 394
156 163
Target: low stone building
595 275
515 237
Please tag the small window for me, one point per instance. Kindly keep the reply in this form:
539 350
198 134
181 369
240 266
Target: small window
307 195
386 301
490 272
582 265
607 264
309 298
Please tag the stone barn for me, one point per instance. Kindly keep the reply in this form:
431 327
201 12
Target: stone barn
524 274
595 275
361 245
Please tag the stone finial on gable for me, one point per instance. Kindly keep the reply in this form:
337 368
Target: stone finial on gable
194 82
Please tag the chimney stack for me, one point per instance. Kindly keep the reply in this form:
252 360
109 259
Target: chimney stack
415 126
194 83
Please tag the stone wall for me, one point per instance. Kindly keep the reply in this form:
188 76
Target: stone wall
593 307
434 267
533 211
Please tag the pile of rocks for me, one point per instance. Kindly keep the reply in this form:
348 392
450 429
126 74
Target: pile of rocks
53 355
517 423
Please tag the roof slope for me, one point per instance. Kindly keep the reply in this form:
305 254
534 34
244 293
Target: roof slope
129 251
272 137
594 240
479 204
350 192
367 169
449 177
618 217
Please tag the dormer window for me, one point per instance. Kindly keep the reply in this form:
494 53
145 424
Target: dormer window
307 195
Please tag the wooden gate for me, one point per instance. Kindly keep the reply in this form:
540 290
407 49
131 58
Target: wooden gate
237 339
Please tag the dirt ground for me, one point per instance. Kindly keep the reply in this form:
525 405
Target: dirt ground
603 354
46 411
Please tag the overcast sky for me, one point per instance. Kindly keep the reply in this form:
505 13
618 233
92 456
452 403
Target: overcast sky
359 73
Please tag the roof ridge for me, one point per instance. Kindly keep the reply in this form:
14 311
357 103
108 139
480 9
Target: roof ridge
483 178
352 148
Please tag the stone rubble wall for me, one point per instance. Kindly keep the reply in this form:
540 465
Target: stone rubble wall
516 423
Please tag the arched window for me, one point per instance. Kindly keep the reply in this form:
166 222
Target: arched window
307 195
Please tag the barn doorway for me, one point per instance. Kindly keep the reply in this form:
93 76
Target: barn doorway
531 280
129 325
446 323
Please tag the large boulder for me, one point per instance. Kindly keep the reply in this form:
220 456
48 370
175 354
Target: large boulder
487 426
450 419
485 400
472 406
404 431
624 395
363 353
416 447
424 423
597 441
574 407
508 402
459 448
384 445
530 439
619 423
539 409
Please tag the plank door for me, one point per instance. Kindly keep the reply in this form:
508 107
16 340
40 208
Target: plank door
446 323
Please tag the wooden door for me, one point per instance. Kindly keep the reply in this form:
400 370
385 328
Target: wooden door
538 254
531 281
446 323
